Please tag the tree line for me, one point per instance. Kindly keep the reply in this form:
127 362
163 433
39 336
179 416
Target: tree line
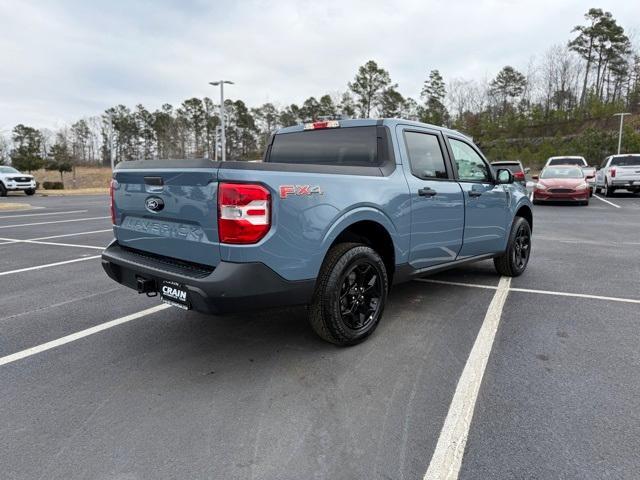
594 74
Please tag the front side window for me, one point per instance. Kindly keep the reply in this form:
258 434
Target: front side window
425 156
471 167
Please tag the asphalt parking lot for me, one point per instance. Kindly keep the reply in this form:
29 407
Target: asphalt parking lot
158 393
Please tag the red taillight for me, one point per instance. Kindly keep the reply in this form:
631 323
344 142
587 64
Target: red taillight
243 212
612 170
112 206
518 175
322 125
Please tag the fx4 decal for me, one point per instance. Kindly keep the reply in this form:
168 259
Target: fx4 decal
286 190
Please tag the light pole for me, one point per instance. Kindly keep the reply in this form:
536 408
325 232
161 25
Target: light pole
622 115
222 139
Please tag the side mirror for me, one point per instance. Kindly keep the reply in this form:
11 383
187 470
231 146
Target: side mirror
527 170
504 176
535 177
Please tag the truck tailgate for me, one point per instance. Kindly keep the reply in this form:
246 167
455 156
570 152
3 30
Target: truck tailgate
624 172
169 212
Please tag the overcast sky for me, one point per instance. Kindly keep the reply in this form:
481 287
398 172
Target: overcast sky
60 61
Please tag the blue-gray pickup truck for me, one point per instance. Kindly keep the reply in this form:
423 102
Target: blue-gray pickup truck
336 213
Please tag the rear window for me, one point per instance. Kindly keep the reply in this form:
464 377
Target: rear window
353 146
628 161
567 161
512 167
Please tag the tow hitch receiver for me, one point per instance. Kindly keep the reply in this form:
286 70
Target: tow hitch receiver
147 286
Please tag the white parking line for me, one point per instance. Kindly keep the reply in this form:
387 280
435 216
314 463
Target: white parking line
447 456
73 234
12 240
457 284
51 237
42 214
533 290
38 267
582 241
78 335
57 221
606 201
577 295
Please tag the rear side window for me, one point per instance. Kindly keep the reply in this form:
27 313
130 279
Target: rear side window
628 161
353 146
425 155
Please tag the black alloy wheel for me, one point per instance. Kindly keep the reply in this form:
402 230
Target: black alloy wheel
360 295
522 247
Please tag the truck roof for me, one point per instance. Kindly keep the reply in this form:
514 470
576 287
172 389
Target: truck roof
366 122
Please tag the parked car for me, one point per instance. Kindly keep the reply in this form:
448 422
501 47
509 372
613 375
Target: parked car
619 171
562 183
589 172
515 167
336 213
12 180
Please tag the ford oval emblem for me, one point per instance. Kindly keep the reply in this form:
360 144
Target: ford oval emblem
154 204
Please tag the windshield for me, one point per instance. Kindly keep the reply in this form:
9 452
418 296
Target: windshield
626 161
562 173
356 146
8 170
567 161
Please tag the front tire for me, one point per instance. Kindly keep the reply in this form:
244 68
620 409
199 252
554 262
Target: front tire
3 190
350 294
514 261
30 191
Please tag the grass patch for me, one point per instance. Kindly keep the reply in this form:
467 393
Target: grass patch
14 206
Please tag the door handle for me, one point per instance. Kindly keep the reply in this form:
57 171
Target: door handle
427 192
475 193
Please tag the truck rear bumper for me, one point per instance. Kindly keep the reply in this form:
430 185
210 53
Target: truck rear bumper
227 288
631 183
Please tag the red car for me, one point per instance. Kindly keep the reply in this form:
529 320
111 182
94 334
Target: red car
564 183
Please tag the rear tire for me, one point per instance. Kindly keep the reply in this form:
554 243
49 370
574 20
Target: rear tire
514 261
30 191
350 294
608 191
3 190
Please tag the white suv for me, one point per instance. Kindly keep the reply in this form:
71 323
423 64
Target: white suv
12 180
